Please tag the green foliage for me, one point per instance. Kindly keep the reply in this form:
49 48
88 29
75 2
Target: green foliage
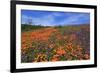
25 27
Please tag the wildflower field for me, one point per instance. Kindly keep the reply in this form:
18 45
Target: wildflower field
55 43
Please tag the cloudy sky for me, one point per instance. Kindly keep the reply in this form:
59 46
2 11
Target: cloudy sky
51 18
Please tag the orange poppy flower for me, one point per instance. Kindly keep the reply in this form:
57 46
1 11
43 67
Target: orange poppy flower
55 58
86 56
60 51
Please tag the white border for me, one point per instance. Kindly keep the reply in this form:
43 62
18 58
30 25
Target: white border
20 65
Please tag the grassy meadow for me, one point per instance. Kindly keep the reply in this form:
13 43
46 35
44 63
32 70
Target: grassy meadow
55 43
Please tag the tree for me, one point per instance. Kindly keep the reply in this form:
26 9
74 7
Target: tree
30 21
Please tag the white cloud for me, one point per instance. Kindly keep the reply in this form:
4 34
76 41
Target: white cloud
44 20
73 19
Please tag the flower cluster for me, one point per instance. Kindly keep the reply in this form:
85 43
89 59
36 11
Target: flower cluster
55 44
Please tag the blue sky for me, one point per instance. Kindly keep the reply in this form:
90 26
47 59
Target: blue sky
51 18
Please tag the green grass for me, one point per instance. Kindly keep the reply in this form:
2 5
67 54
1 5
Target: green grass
25 27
